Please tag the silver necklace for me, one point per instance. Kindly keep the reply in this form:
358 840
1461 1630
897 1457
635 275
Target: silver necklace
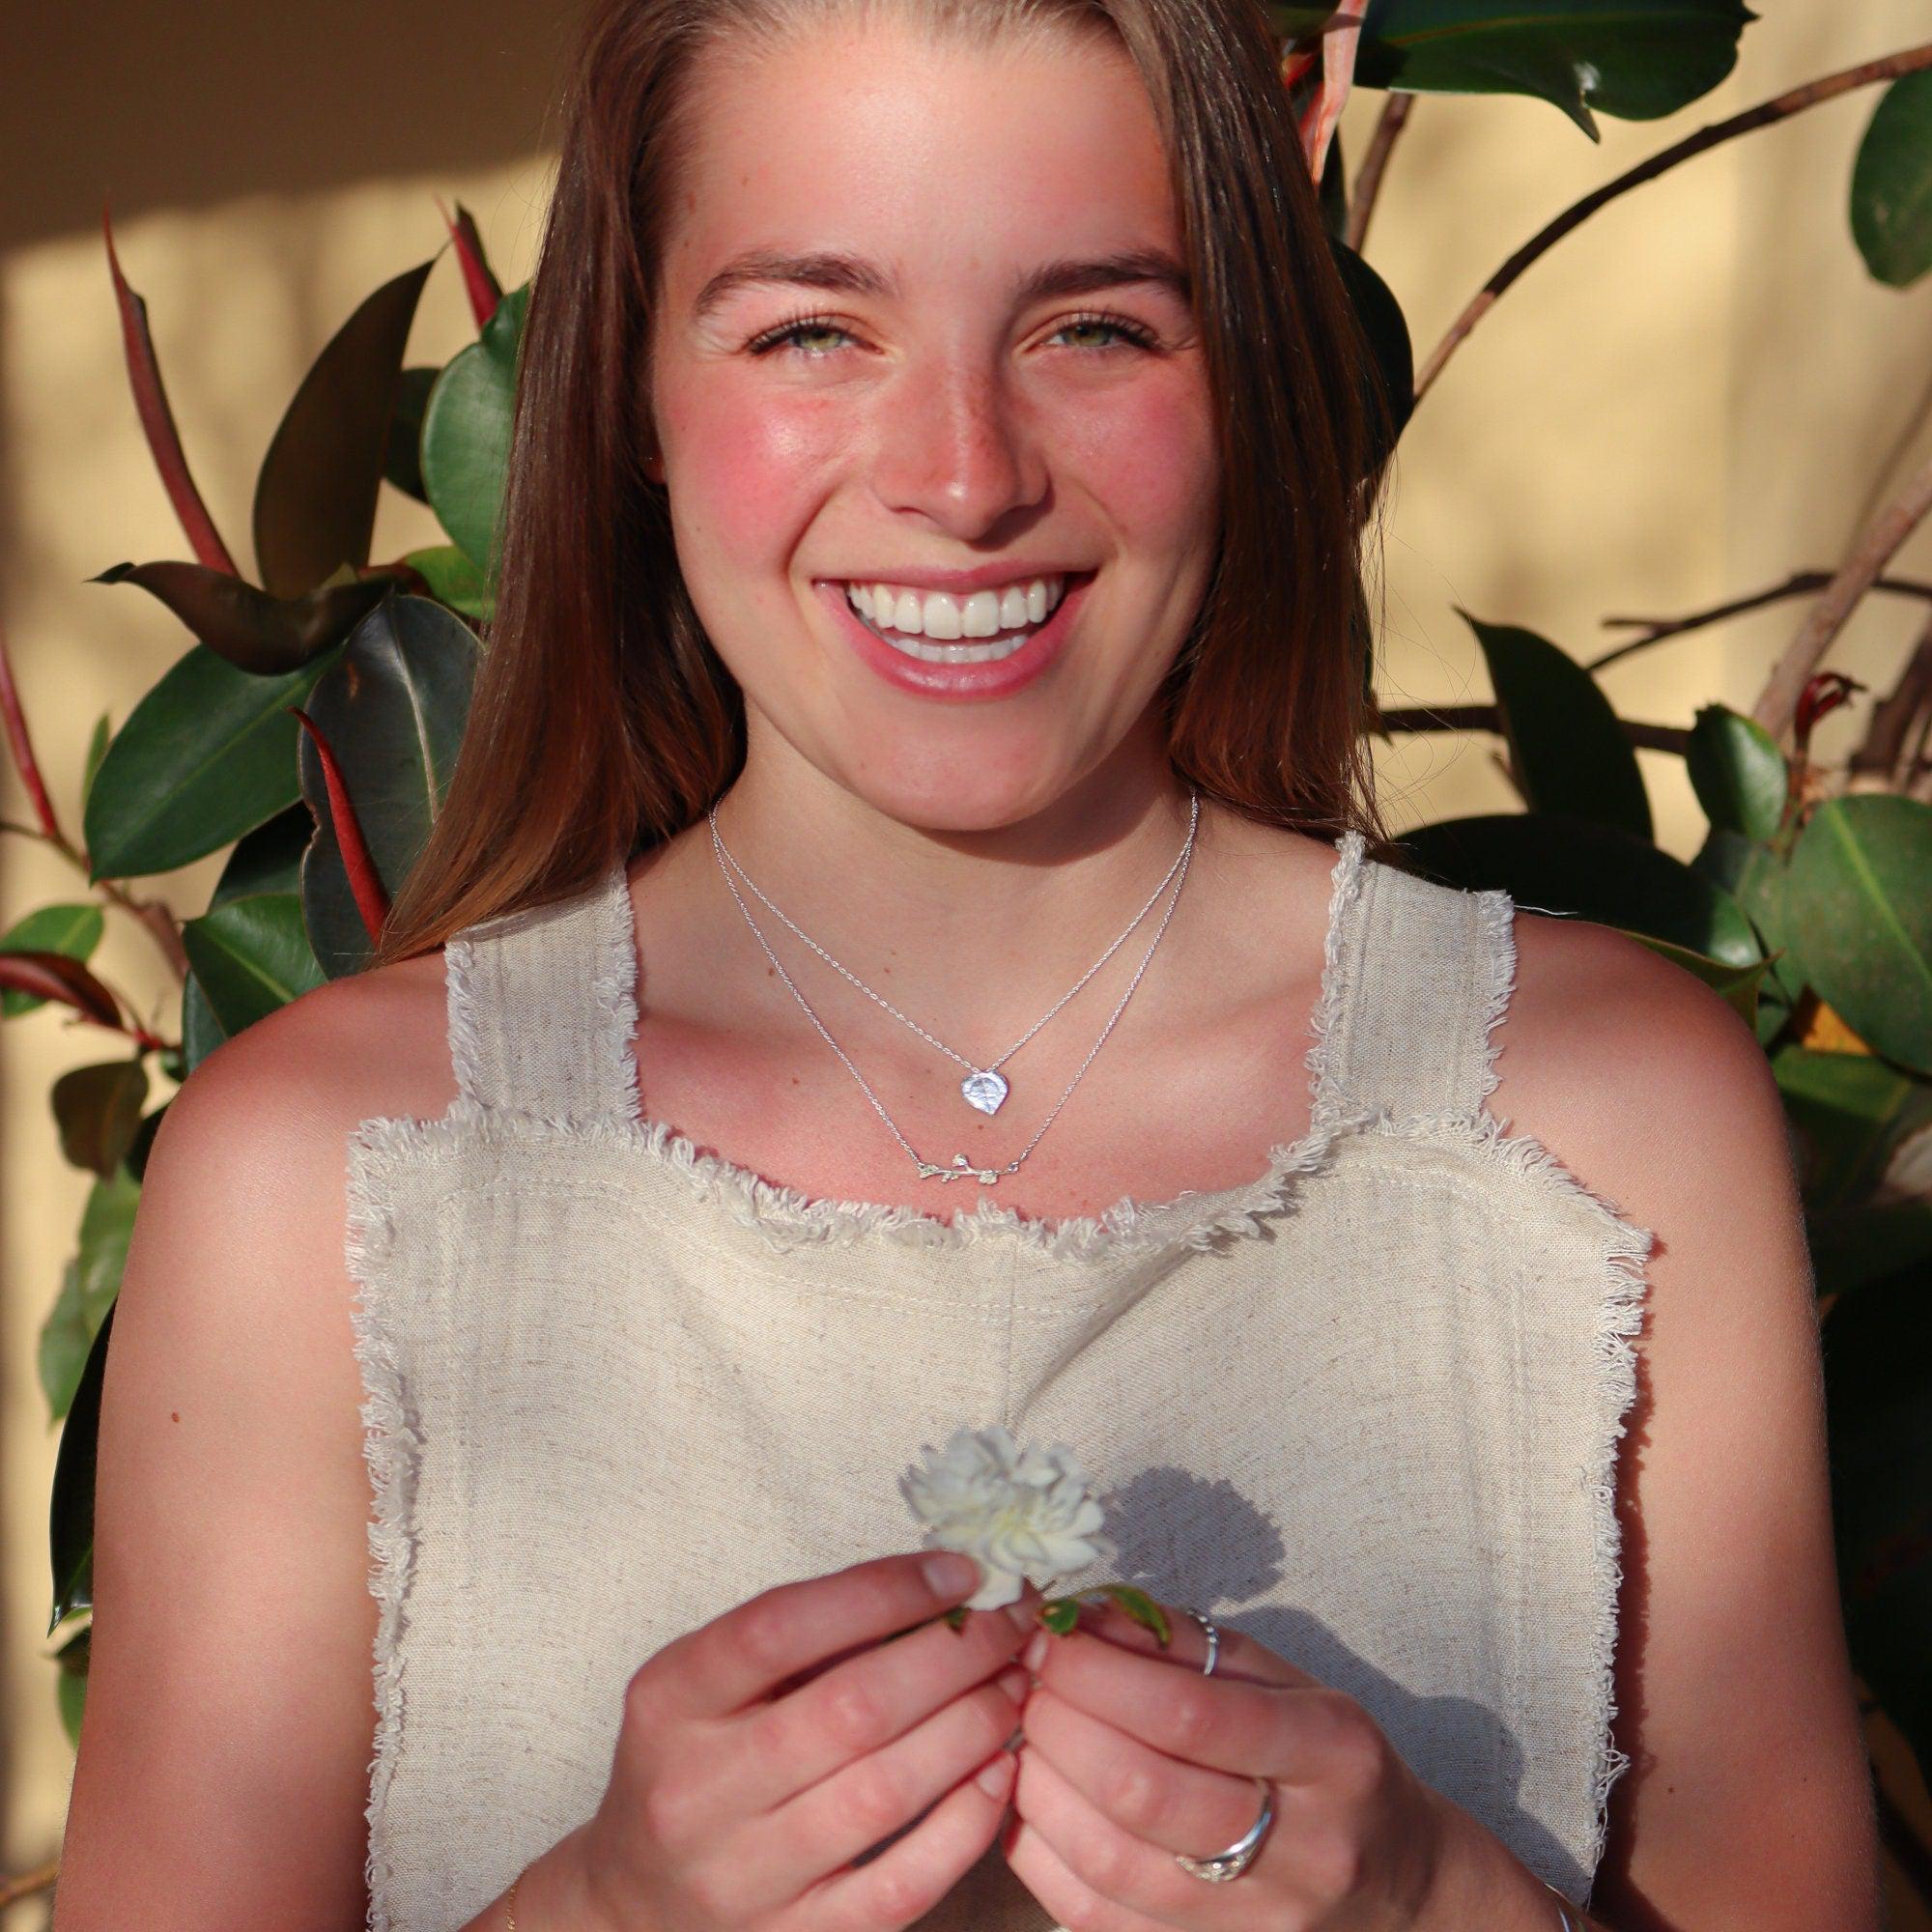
985 1087
961 1167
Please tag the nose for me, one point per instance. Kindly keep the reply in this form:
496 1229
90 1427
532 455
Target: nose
950 447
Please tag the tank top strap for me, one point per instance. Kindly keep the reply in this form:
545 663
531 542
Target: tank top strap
1419 976
542 1005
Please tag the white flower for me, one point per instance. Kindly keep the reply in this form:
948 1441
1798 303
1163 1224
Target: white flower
1021 1513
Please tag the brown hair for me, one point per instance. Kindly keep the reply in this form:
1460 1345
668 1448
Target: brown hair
604 720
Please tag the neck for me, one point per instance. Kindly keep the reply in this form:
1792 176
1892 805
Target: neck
974 933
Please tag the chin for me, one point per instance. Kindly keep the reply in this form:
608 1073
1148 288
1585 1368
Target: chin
964 789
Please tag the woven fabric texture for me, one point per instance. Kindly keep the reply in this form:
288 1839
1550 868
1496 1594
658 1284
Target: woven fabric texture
1365 1407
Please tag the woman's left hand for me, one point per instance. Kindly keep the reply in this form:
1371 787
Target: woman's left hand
1130 1755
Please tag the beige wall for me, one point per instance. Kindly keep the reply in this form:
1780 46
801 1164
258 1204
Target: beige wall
1694 394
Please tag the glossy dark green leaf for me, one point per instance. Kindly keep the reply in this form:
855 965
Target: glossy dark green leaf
265 860
1738 771
74 930
268 636
315 499
251 955
1859 903
1891 183
1389 380
135 1159
1060 1615
402 458
1738 984
1850 1113
1592 871
1566 747
70 1517
89 1284
205 755
1138 1604
453 580
393 712
97 1109
1637 60
1754 877
1878 1384
466 436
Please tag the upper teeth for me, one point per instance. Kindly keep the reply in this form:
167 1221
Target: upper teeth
939 614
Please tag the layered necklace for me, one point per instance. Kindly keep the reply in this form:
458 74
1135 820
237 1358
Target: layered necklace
985 1087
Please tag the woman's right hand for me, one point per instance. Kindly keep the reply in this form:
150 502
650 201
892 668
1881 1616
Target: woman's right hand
761 1753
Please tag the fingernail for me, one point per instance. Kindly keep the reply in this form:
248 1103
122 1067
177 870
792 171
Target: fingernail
1034 1654
996 1778
1014 1682
950 1573
1022 1613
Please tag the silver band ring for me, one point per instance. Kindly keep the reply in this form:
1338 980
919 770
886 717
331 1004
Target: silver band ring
1211 1630
1240 1856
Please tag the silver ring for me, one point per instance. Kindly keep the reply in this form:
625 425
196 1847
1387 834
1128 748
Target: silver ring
1240 1856
1211 1630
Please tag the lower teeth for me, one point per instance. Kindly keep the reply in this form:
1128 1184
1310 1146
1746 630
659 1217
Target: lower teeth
990 650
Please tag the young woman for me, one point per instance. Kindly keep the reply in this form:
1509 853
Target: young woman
941 450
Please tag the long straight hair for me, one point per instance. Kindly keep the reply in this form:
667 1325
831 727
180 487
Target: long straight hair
603 720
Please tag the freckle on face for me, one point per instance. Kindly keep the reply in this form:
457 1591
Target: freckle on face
946 427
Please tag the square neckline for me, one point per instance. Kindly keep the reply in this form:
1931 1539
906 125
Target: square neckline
786 1215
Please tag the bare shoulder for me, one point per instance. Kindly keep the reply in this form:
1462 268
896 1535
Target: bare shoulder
233 1624
1653 1093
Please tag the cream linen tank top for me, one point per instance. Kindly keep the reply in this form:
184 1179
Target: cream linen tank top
1364 1407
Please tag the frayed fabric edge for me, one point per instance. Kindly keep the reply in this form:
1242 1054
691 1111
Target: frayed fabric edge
390 1446
1624 1251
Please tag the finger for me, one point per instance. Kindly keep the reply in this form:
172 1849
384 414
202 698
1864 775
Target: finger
1301 1736
1237 1654
916 1872
882 1792
865 1702
1126 1871
725 1664
1174 1806
1066 1899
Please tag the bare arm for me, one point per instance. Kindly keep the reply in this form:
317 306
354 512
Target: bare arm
1747 1801
223 1761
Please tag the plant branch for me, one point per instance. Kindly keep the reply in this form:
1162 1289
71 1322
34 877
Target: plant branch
1812 94
1393 119
1488 718
1797 584
25 1885
1882 754
154 914
1777 704
21 745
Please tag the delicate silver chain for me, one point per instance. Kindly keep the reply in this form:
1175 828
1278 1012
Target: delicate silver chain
725 856
961 1167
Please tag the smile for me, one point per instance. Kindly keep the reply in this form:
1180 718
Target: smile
923 624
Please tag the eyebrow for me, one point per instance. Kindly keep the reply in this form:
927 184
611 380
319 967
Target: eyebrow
848 275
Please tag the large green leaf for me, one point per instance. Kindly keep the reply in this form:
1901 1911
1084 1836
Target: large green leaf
1753 875
315 499
265 860
1572 866
251 954
1858 906
1850 1112
393 713
452 578
1891 183
88 1288
70 1517
402 462
1567 749
1639 60
466 433
1878 1387
71 929
207 754
1738 771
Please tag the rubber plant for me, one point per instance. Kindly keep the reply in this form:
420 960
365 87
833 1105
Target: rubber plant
282 734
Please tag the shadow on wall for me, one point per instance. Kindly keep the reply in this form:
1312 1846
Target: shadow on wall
258 99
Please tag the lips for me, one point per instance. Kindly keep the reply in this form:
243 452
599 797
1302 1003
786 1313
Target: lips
999 678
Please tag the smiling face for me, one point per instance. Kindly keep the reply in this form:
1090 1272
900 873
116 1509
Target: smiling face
881 357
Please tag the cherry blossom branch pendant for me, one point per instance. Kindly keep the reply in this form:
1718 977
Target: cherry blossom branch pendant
986 1177
985 1089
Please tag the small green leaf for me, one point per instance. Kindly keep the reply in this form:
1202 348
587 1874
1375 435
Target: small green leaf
98 1108
89 1285
71 1685
71 1518
1891 183
97 750
74 930
1061 1614
1138 1605
1567 749
1738 773
957 1616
